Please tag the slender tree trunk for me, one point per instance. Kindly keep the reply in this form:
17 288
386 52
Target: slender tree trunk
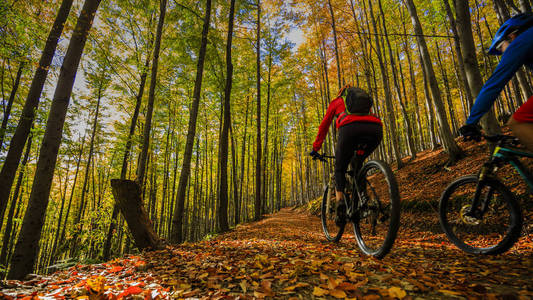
16 146
388 92
15 199
86 176
258 200
408 130
459 52
448 142
177 220
127 150
243 151
339 81
223 153
7 111
26 250
151 97
475 81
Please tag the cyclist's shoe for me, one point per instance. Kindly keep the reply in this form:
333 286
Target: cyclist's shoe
340 217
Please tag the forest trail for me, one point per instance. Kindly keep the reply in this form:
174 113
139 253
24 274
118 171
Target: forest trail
286 256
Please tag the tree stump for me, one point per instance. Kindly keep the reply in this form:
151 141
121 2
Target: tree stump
128 198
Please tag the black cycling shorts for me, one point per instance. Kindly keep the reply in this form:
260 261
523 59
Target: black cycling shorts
363 137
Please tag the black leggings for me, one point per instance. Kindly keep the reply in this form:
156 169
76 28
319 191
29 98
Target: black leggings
360 136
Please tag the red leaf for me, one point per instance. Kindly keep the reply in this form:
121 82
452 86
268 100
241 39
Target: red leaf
132 290
116 269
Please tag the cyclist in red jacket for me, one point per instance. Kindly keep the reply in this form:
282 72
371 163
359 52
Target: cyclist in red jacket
359 132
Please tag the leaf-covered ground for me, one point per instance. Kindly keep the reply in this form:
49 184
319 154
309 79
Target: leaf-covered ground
285 256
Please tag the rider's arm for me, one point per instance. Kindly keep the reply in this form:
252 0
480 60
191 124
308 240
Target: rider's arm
512 59
324 125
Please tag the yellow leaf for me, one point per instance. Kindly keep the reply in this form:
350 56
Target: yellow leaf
319 292
332 284
396 292
172 282
244 285
204 275
259 295
298 285
448 292
337 293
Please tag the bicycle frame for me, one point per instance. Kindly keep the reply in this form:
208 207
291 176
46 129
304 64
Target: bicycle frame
511 156
501 155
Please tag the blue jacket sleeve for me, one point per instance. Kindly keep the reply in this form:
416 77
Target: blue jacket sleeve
512 59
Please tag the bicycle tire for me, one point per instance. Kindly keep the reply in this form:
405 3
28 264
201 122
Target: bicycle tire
452 224
376 174
332 232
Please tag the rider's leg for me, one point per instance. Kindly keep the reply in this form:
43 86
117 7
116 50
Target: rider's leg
521 123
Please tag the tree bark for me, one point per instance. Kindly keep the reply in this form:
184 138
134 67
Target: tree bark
16 146
26 250
177 220
258 200
128 198
475 81
223 153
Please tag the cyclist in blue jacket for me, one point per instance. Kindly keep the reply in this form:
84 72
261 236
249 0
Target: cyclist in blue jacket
514 41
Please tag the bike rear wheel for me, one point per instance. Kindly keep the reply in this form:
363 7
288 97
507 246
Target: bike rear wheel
495 231
377 218
328 213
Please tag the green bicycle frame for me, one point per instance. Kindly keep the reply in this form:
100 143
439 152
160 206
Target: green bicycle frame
511 156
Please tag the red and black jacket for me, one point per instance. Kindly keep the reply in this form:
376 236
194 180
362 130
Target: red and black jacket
336 109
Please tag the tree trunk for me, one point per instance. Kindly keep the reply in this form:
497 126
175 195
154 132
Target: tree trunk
16 146
7 111
26 250
387 92
177 220
224 136
339 81
151 97
86 176
475 81
408 130
448 142
460 60
9 224
258 200
128 198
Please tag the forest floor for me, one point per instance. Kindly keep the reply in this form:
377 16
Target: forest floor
285 256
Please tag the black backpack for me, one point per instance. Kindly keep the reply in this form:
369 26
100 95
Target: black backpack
356 101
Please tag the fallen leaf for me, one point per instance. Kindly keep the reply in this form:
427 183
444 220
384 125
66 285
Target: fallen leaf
337 293
319 292
396 292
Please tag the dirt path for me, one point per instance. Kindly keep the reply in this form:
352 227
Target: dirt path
285 256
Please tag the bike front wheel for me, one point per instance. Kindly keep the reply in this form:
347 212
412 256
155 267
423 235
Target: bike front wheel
328 213
377 217
495 226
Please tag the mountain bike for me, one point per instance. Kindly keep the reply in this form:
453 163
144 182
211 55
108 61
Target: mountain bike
372 205
478 213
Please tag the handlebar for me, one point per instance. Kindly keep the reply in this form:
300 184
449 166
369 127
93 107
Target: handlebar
501 139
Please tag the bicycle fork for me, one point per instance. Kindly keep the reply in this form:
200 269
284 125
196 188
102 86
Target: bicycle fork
474 211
